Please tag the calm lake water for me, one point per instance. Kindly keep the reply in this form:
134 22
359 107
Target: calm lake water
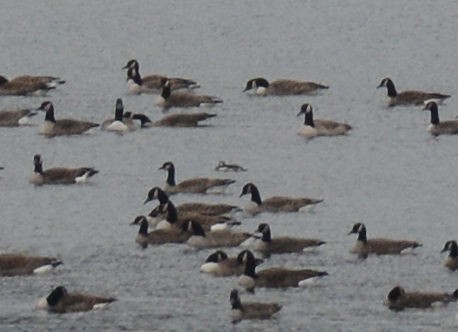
388 172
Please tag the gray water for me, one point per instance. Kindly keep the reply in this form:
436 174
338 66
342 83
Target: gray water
388 172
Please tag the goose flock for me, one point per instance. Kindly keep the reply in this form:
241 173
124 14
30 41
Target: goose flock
212 226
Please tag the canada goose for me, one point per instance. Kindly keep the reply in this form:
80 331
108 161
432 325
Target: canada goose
183 119
399 299
194 185
280 245
251 310
61 301
452 259
437 127
224 167
145 122
21 264
320 127
274 204
364 247
219 238
59 175
28 85
119 123
53 127
168 99
152 83
276 277
211 209
220 265
282 87
158 236
14 118
411 97
166 216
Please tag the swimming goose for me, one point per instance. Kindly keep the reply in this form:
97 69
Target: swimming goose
280 245
251 310
379 246
59 175
452 259
168 99
194 185
183 119
312 128
167 216
220 265
21 264
14 118
61 301
145 122
437 127
219 238
28 85
158 236
152 83
399 299
275 277
283 87
211 209
53 127
274 204
224 167
411 97
119 123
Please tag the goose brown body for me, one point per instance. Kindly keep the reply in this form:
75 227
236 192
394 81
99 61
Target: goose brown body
59 175
410 97
62 127
378 246
14 118
21 264
61 301
275 203
183 119
194 185
251 310
275 277
399 299
283 87
28 84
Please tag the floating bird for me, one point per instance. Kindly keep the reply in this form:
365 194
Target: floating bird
437 127
194 185
53 127
452 260
283 87
220 264
312 128
28 85
152 83
411 97
275 277
281 245
59 175
399 299
183 119
364 247
219 238
225 167
21 264
168 99
61 301
158 236
119 123
251 310
14 118
274 204
211 209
